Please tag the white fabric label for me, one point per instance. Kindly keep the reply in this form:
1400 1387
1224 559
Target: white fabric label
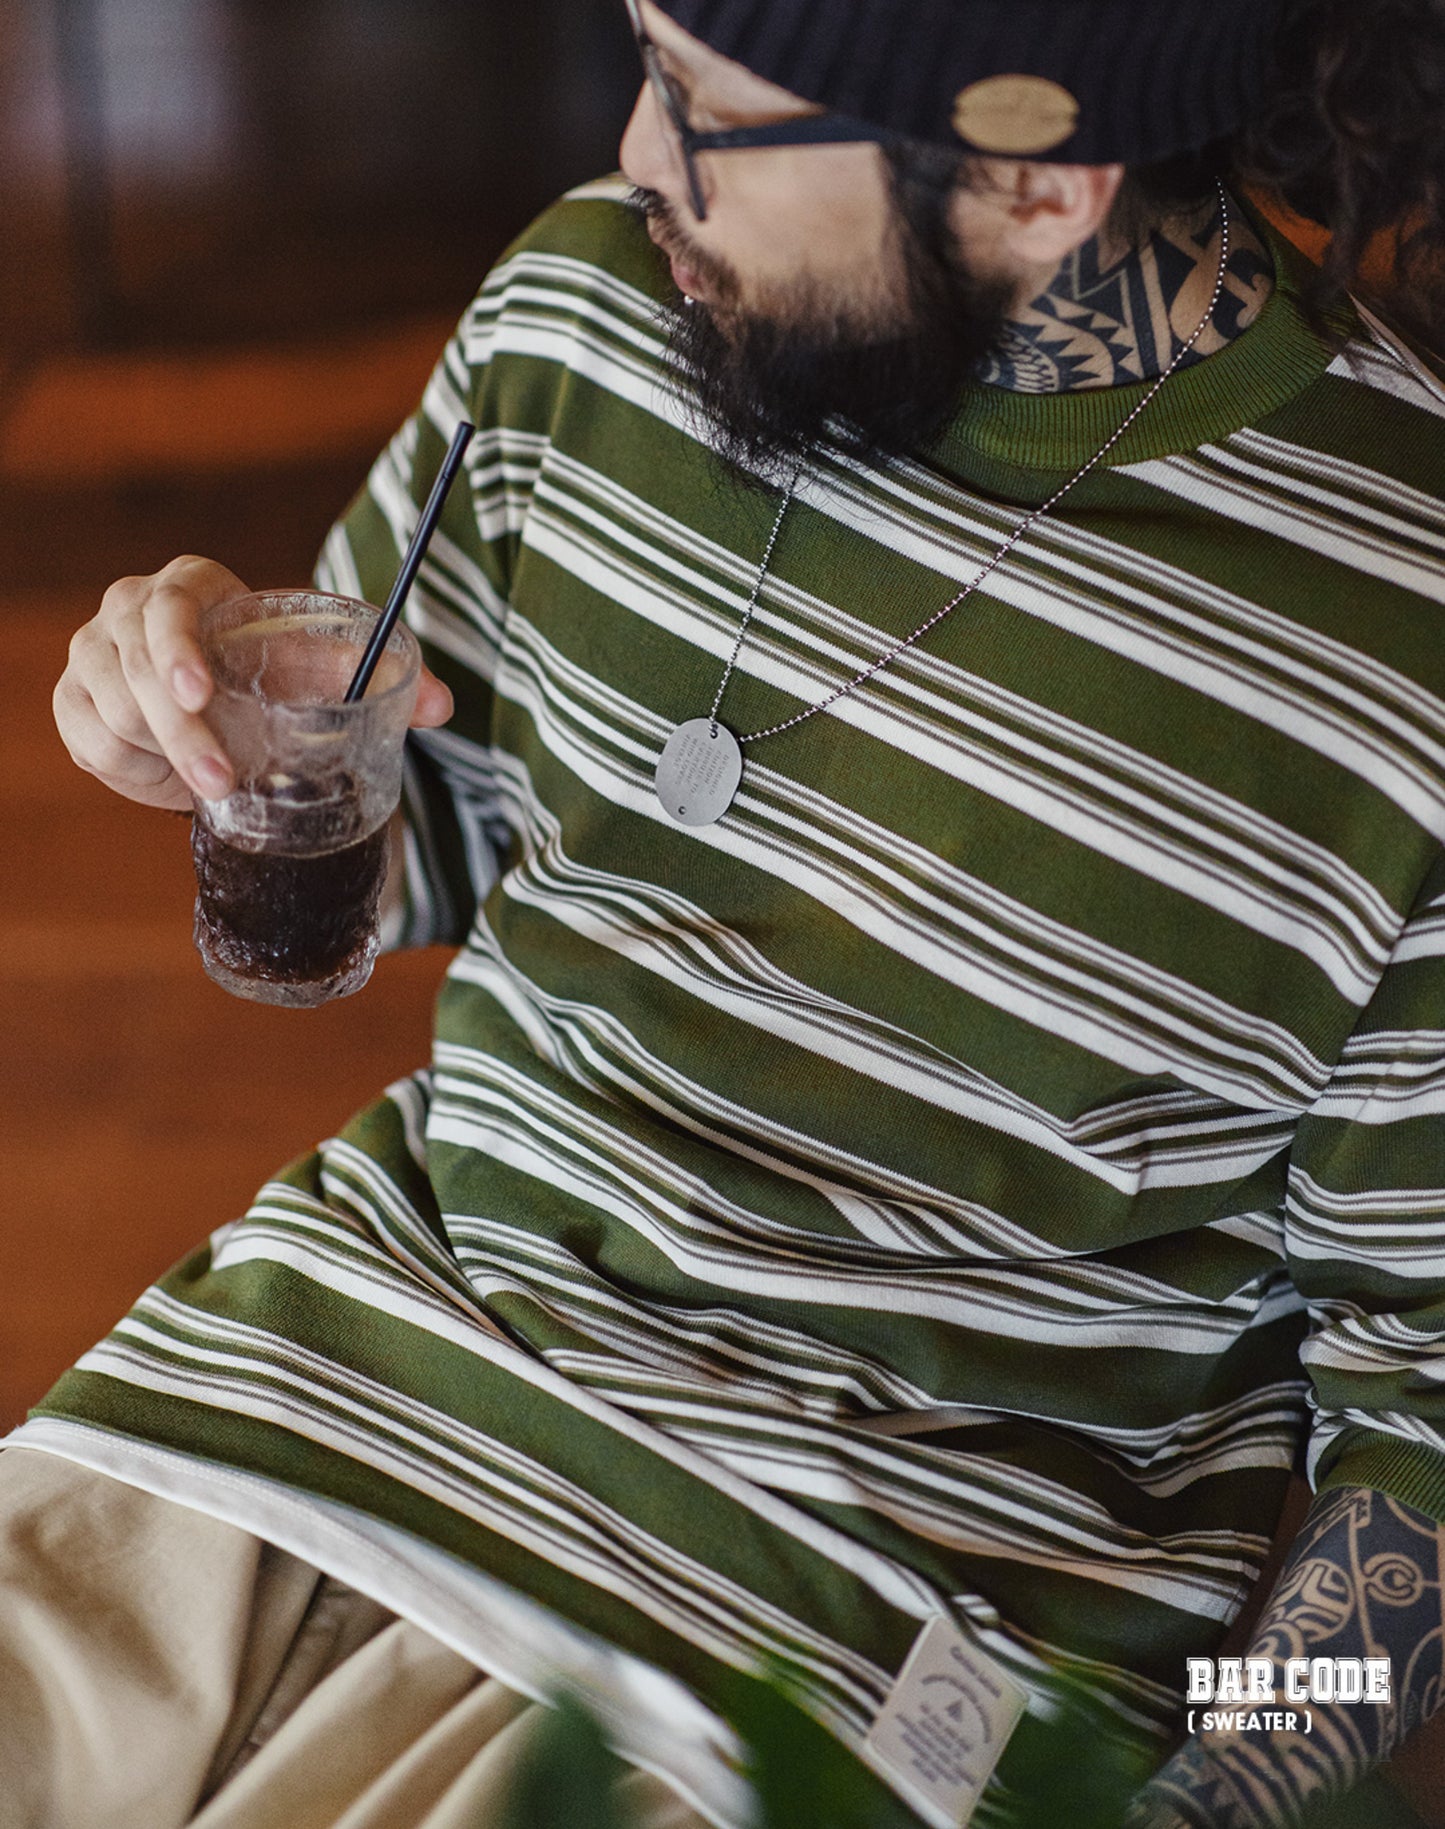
947 1718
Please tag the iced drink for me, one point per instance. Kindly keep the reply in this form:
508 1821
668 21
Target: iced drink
289 920
290 865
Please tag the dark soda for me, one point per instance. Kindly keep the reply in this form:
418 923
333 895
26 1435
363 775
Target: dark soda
288 920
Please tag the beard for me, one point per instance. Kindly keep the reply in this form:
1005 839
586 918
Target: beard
871 379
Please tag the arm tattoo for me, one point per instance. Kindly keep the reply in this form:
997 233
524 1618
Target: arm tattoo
1365 1578
1117 313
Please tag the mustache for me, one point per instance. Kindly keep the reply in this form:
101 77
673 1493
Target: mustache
808 369
672 239
657 212
651 204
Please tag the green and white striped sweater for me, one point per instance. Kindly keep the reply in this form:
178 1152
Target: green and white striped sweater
958 1181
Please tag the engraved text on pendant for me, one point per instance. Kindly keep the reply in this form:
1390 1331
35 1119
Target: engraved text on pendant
699 771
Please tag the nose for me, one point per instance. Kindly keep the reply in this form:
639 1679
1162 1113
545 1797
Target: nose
645 154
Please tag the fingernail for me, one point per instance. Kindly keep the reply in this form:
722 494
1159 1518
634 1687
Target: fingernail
212 779
189 686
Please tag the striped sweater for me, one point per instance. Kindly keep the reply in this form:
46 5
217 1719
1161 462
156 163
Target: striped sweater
965 1178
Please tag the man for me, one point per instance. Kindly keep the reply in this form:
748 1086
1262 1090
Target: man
935 1105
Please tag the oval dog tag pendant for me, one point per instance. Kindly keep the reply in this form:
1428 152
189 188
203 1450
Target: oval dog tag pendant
698 772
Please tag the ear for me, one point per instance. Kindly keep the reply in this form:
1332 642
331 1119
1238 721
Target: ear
1041 213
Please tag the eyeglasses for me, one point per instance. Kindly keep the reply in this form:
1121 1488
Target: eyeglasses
798 130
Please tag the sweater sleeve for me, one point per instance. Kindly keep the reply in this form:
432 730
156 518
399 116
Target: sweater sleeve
1365 1232
454 830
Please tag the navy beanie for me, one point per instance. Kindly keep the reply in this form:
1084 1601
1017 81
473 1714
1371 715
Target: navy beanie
1084 82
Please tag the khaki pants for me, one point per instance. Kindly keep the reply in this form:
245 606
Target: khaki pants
158 1668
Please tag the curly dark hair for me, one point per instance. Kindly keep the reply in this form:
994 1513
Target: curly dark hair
1352 135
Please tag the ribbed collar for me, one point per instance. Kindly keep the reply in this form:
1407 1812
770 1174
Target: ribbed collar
1019 447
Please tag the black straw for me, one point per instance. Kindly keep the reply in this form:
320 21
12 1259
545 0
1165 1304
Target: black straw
415 553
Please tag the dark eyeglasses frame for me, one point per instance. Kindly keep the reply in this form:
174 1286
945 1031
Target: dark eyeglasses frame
798 130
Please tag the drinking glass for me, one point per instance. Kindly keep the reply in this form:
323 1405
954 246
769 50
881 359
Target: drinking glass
290 865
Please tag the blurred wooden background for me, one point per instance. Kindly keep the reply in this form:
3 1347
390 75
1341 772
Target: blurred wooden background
233 235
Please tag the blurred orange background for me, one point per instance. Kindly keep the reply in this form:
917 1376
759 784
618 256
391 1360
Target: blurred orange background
233 237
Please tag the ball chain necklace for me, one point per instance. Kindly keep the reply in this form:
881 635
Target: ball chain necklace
701 766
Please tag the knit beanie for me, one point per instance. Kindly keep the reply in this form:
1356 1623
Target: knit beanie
1083 82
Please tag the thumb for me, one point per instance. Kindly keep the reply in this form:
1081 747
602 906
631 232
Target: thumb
434 703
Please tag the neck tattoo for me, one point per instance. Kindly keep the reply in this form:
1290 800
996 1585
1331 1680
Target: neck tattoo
701 766
1109 318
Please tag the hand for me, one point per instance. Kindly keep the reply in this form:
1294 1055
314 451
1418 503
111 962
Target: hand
128 704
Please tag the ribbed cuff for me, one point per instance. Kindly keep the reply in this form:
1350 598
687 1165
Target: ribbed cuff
1412 1472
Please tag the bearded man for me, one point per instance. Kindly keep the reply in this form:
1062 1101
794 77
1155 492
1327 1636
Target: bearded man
934 761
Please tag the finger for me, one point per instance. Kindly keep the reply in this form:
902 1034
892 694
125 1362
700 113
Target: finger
92 733
99 720
93 681
172 612
157 641
123 604
434 702
181 735
101 687
170 793
139 773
